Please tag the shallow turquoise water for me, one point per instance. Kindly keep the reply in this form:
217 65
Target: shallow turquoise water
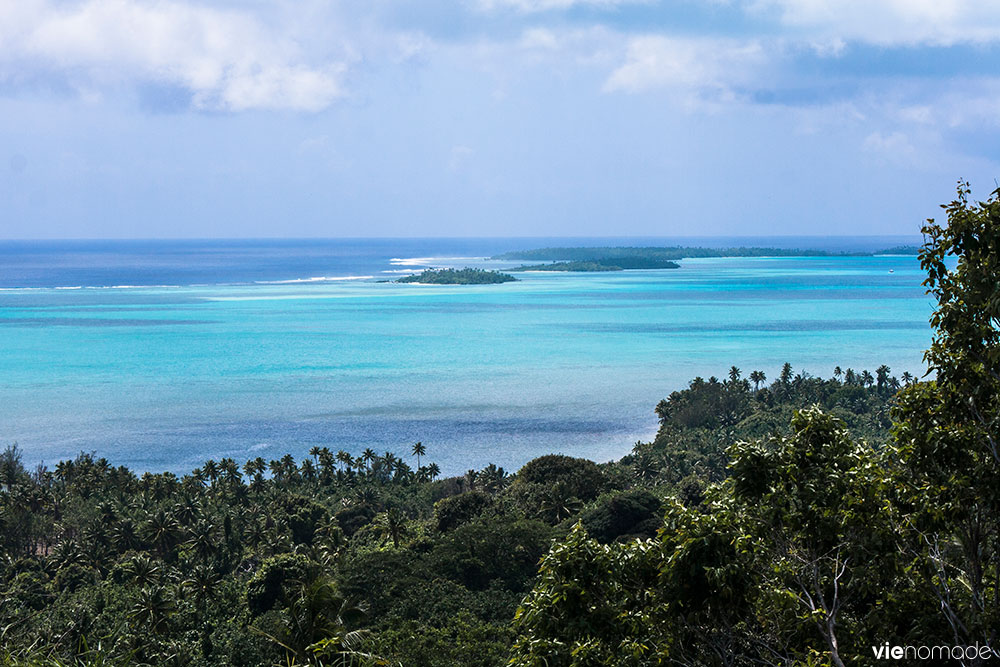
164 378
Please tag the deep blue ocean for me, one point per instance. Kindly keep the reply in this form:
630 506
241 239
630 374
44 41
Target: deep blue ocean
161 354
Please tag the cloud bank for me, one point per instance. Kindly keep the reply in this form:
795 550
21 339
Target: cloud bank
228 60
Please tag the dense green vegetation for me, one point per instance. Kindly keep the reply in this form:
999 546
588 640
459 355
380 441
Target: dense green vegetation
815 546
354 556
598 265
900 250
458 277
779 521
620 256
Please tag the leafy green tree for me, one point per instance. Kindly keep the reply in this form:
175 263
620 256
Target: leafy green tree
319 627
947 434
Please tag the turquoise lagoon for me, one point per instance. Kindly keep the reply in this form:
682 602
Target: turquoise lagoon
163 378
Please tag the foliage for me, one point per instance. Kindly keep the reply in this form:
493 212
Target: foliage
464 276
809 546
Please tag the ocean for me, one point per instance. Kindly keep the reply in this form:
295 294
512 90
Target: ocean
159 355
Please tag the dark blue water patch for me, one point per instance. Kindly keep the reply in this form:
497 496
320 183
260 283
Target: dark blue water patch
455 444
41 322
780 326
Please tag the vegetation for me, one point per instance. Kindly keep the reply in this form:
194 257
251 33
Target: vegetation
779 521
361 558
599 265
634 258
814 546
458 277
900 250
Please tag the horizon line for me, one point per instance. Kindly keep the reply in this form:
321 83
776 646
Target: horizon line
445 238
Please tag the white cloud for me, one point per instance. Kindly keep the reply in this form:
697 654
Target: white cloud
228 60
889 22
699 69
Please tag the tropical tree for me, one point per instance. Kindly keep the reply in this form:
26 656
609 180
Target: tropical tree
757 377
152 608
395 525
786 374
558 502
419 450
947 436
882 377
317 628
367 457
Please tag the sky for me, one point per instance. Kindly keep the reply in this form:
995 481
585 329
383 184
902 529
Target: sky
308 118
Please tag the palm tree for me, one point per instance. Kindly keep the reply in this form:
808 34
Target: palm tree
907 378
152 608
325 463
433 470
734 374
786 374
211 471
316 626
368 456
493 479
559 503
645 467
288 465
314 452
866 379
882 376
757 377
163 532
187 510
203 538
395 525
123 535
230 471
850 378
418 451
143 570
201 581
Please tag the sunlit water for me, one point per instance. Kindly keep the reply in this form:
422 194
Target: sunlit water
162 378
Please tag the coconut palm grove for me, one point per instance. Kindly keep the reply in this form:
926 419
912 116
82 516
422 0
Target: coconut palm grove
790 520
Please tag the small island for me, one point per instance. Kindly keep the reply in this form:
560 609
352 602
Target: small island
464 276
617 258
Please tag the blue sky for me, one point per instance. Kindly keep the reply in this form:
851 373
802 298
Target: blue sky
189 118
